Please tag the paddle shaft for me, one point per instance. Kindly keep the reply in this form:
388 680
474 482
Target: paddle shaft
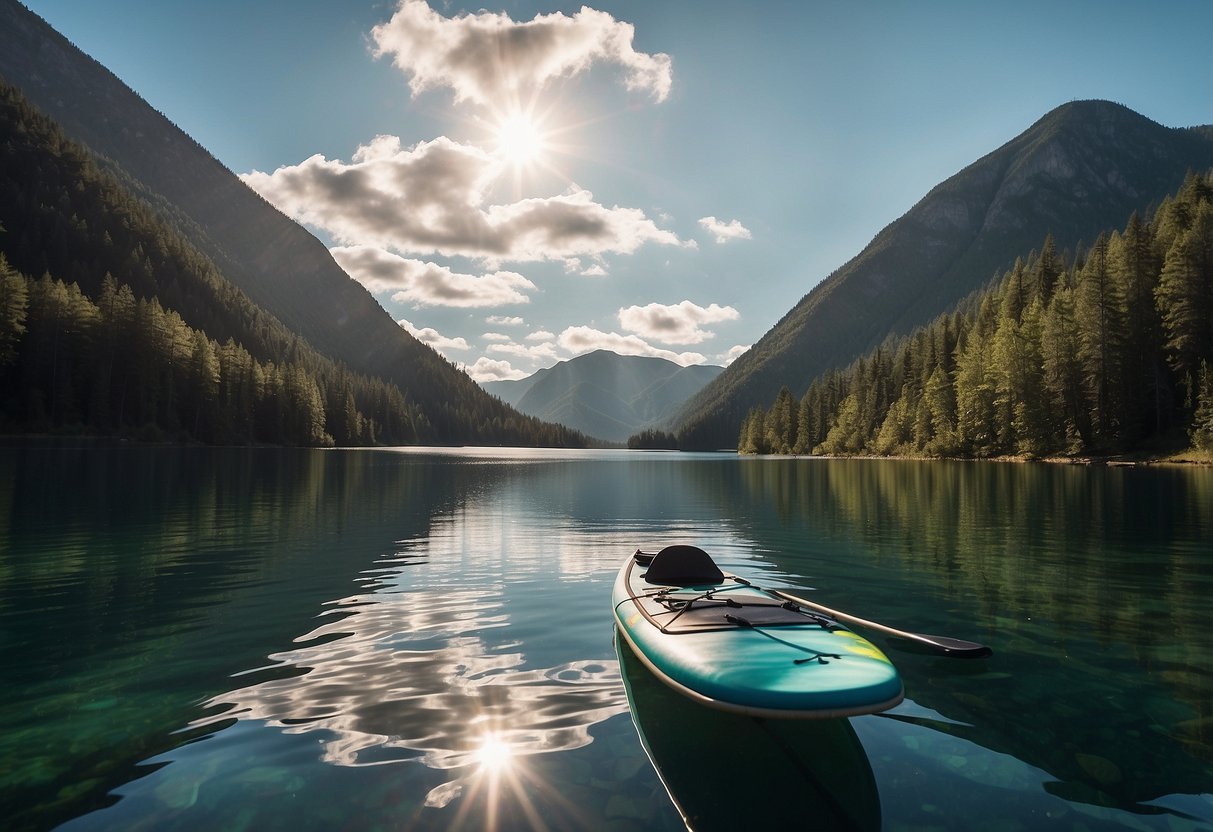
942 645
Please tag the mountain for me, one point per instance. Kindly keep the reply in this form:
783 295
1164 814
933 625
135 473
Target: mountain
280 267
1082 168
606 395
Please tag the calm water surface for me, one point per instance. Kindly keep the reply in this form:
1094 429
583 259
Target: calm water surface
293 639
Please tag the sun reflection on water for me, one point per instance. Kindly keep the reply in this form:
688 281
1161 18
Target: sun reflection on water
417 671
493 755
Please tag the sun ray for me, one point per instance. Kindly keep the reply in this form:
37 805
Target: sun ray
520 139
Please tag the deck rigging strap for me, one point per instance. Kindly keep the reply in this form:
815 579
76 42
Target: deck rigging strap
817 655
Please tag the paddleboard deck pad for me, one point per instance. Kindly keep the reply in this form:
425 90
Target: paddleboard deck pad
728 644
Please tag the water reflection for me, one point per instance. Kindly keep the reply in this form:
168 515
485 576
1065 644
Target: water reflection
1091 585
470 664
407 672
727 771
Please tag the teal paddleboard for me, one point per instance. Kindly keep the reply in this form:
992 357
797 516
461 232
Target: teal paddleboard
728 644
814 771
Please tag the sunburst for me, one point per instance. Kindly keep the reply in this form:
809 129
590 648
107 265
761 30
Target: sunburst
521 141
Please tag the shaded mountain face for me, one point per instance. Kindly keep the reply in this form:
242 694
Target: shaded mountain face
606 395
1085 167
277 263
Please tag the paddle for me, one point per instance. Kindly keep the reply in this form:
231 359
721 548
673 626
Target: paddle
918 642
939 645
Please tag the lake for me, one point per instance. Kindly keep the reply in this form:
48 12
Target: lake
258 639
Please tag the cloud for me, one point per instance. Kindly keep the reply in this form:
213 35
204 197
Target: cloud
503 320
432 198
541 335
734 353
495 336
722 231
677 324
434 338
536 353
487 369
428 284
583 339
487 58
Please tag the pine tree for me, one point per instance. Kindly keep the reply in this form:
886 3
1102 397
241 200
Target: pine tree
847 435
1098 315
940 400
976 428
1062 370
14 306
1142 380
1185 298
1202 422
1048 269
781 423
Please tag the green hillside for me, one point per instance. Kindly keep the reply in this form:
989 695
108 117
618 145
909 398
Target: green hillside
1083 168
115 323
1107 352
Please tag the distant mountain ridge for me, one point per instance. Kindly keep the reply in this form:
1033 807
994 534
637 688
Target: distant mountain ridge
606 395
279 265
1083 167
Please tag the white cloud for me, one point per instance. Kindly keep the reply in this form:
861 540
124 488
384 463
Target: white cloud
495 336
583 339
504 320
432 198
536 353
428 284
677 324
433 337
734 353
541 335
488 369
722 231
488 59
595 270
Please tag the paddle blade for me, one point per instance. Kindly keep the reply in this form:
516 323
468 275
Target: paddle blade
940 645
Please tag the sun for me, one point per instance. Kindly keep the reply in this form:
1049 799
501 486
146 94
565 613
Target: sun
493 754
520 140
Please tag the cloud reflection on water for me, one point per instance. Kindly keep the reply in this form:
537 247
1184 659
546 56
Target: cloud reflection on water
399 674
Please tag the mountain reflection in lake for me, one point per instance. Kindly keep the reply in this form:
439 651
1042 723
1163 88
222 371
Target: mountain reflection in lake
270 639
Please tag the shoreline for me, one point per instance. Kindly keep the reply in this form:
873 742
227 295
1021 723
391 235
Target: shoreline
1190 456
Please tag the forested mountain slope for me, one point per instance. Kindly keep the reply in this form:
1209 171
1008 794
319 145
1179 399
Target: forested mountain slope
112 322
277 264
1110 351
1083 168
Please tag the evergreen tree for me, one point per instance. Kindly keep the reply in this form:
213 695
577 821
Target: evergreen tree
804 426
14 305
1062 371
896 433
1185 296
1098 315
976 426
1142 380
1048 268
940 401
848 435
781 423
1202 422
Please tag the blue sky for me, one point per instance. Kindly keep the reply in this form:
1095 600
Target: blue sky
684 172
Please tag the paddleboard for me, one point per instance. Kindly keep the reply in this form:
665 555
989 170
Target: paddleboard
727 644
813 771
